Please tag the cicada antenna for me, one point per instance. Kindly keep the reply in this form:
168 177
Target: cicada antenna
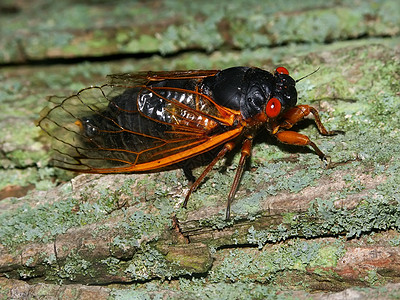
307 75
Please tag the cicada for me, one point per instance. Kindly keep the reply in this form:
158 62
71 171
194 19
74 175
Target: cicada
153 121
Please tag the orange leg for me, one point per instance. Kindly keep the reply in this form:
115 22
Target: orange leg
295 138
294 115
297 113
227 147
246 151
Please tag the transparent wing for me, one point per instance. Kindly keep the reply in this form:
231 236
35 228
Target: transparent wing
128 127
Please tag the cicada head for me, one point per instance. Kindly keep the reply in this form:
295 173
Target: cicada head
269 93
282 95
285 88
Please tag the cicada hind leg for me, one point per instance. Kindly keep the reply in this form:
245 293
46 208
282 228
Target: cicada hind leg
245 153
225 149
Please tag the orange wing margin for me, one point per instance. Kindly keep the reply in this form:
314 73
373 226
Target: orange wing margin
175 158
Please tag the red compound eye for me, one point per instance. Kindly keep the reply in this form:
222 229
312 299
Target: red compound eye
282 70
273 108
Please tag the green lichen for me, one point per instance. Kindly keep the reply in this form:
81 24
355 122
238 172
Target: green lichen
27 224
73 267
193 288
169 27
147 263
373 278
150 263
44 222
145 43
132 256
250 265
323 218
112 264
328 255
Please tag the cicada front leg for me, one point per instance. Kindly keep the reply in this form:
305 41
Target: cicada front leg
299 112
293 116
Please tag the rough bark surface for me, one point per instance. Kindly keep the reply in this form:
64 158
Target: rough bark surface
298 230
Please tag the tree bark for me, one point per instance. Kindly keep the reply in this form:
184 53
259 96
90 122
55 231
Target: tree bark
298 229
